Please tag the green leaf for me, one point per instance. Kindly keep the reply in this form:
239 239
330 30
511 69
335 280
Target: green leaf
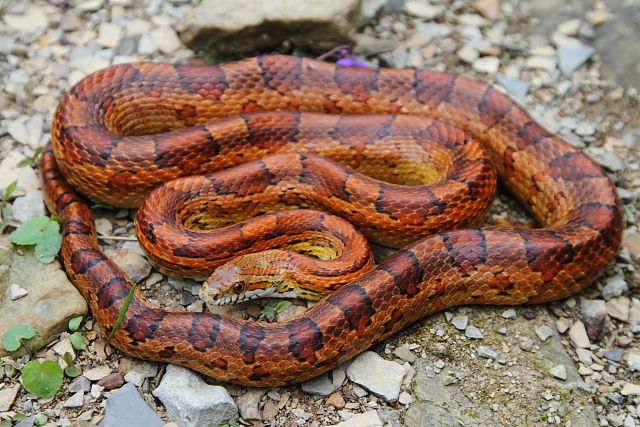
20 417
29 232
48 245
41 419
5 423
77 340
11 338
269 312
282 305
68 358
71 371
74 323
43 380
9 190
25 162
123 311
122 213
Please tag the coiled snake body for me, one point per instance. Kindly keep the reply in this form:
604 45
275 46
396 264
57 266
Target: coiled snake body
119 132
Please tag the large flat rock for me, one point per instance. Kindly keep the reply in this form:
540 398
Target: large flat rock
51 299
223 27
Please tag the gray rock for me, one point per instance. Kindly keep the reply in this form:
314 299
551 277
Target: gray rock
368 419
27 422
51 299
594 312
192 402
97 373
585 356
224 27
633 361
9 172
377 375
405 398
618 308
570 58
487 352
614 355
28 206
578 335
544 332
8 396
559 371
514 87
17 292
422 10
248 404
6 43
615 287
460 321
75 401
404 353
473 332
79 384
135 266
509 314
141 371
321 385
634 312
125 407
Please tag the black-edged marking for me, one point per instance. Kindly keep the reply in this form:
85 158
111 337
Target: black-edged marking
406 271
573 166
143 325
116 289
251 336
604 218
547 252
356 306
493 107
467 249
530 134
83 260
76 227
305 339
204 331
432 88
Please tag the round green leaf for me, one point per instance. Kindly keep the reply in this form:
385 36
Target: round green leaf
11 338
48 243
71 371
43 380
74 323
77 340
29 232
41 419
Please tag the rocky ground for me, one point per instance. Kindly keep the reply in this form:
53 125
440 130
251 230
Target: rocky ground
576 362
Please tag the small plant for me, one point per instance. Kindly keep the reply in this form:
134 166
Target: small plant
42 379
33 160
5 211
44 233
231 423
77 339
13 338
120 213
269 312
71 370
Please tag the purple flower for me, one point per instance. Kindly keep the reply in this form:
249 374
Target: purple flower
351 61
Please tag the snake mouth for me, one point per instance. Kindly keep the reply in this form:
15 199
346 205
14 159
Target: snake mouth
270 292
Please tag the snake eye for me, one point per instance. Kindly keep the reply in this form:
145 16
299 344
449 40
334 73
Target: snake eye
238 287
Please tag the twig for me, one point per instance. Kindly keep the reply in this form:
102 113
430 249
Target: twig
334 50
127 238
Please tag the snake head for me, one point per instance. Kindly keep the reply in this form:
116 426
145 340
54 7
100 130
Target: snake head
248 277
